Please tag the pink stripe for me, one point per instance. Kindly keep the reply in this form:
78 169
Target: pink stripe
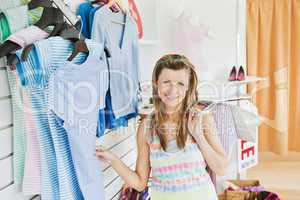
180 166
32 172
199 178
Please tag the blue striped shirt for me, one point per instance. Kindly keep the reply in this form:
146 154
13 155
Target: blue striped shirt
58 173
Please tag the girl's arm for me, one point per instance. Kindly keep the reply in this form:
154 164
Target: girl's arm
210 145
136 179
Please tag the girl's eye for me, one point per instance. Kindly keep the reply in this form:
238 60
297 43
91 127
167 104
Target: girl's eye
180 84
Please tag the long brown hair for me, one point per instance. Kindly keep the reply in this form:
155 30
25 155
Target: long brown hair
173 62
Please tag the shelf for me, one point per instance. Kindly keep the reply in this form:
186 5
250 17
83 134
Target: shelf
219 100
248 79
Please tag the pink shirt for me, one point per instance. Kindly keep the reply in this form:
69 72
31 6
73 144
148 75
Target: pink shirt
28 36
189 38
32 169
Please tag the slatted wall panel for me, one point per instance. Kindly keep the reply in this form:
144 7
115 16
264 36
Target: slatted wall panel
8 191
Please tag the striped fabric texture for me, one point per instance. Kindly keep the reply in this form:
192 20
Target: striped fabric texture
19 138
32 170
226 131
36 96
179 174
91 81
10 24
58 174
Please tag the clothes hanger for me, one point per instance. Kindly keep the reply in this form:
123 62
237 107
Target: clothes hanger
72 33
2 15
79 47
8 46
119 3
12 60
50 16
113 8
39 3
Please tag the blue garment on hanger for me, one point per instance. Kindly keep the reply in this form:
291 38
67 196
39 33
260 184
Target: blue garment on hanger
83 11
91 17
113 121
58 173
78 94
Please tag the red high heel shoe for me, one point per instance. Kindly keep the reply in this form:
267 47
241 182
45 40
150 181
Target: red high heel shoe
232 76
241 74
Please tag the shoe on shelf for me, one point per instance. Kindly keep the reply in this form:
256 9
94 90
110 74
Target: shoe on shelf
241 74
232 76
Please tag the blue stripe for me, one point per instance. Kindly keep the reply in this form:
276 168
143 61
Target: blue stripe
58 173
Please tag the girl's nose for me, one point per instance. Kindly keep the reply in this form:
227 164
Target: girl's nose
173 89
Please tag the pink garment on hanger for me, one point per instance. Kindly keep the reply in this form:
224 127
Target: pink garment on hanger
32 169
188 39
28 36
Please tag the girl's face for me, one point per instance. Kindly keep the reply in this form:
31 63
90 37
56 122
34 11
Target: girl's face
172 87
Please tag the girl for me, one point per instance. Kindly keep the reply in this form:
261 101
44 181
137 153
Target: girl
175 143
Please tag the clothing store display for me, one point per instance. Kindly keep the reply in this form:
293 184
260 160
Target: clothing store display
123 65
56 155
78 92
21 144
73 86
32 172
49 187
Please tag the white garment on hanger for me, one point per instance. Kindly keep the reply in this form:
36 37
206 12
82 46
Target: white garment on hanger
190 33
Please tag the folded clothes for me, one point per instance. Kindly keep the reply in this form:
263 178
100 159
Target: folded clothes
252 188
265 195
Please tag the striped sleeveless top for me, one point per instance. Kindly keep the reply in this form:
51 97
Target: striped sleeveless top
178 174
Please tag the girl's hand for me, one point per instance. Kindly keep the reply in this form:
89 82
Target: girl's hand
195 123
105 155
